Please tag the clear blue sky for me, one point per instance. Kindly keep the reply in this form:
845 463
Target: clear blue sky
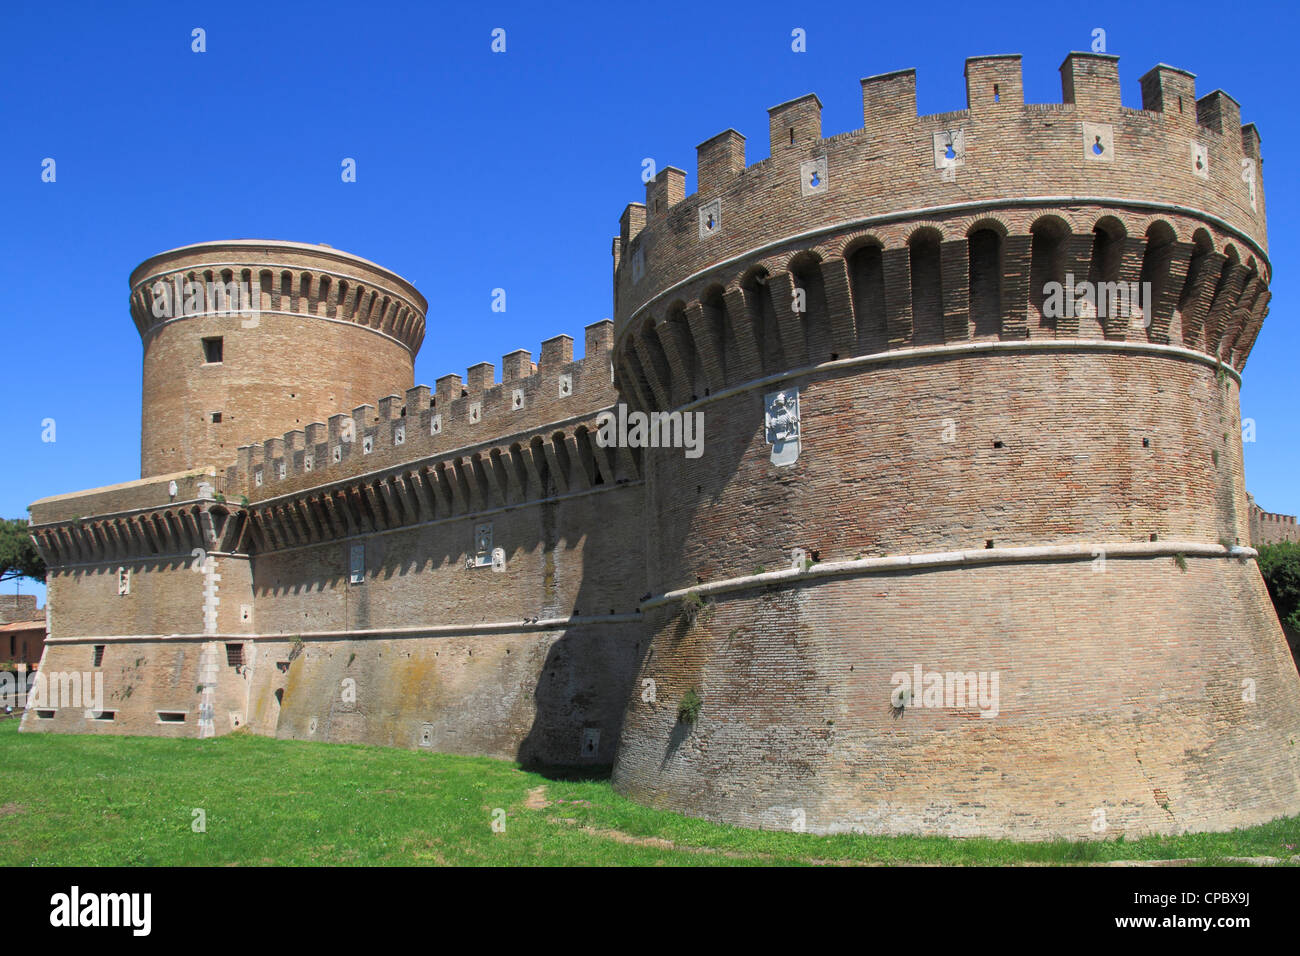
479 170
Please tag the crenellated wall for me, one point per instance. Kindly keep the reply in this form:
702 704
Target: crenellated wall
456 416
302 331
983 484
1007 154
330 583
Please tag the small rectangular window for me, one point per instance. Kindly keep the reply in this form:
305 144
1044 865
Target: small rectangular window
99 655
216 418
171 717
357 569
104 715
123 581
235 655
212 351
45 714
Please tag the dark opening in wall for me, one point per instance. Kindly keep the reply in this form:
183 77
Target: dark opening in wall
927 290
1153 537
988 544
104 715
997 444
985 286
235 655
45 714
213 352
99 655
216 418
1146 443
171 717
867 280
1046 265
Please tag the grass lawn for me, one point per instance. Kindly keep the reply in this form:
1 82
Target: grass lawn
91 801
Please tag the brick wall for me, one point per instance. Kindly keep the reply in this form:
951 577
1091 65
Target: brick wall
17 607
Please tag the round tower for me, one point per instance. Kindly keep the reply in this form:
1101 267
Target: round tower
965 551
248 338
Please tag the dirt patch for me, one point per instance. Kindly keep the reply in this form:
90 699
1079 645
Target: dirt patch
536 799
11 809
618 836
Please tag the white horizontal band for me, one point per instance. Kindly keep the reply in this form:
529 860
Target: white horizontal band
944 559
432 630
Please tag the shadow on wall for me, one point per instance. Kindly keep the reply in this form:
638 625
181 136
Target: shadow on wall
596 675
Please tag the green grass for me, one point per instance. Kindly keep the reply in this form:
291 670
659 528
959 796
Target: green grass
90 801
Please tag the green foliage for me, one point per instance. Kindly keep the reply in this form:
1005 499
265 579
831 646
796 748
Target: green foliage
695 607
1180 559
1280 565
688 711
18 556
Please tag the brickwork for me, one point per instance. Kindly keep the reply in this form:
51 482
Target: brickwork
968 459
1269 528
17 607
359 324
983 485
1123 711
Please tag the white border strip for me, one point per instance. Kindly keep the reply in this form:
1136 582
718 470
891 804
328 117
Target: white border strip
944 559
433 630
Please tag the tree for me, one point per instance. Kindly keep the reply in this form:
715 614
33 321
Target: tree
18 556
1280 565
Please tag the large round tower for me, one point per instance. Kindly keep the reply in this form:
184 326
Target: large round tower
248 338
965 551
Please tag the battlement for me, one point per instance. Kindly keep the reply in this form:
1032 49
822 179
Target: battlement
1178 150
425 421
247 278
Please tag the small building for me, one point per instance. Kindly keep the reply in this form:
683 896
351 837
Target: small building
19 607
22 642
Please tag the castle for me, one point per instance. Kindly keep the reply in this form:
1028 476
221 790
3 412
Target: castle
965 551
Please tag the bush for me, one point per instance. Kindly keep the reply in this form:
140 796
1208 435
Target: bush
1280 565
689 708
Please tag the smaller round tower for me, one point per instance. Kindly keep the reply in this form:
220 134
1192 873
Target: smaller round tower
251 337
